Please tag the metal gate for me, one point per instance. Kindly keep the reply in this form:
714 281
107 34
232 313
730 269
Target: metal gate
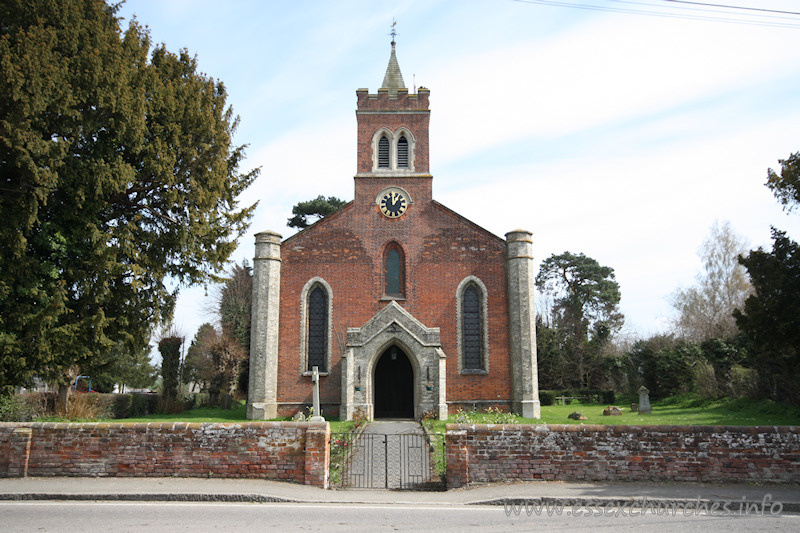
402 461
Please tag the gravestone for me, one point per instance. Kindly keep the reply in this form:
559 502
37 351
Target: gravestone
644 401
225 401
612 411
577 416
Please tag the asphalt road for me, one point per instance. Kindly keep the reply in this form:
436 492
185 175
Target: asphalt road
156 517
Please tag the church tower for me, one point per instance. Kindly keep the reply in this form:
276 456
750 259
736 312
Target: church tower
392 144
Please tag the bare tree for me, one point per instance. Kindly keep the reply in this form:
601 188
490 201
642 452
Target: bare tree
705 310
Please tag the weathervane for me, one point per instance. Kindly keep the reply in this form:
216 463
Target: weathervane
393 33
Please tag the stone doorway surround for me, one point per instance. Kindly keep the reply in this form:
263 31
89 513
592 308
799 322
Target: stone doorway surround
393 325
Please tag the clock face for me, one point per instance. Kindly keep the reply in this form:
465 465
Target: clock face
393 202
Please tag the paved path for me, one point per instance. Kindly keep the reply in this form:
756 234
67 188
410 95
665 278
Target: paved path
259 490
390 455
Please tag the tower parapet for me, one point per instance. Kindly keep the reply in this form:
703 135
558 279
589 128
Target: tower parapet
385 100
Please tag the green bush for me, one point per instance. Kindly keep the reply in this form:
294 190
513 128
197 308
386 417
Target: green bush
134 404
608 397
742 382
14 409
705 381
547 397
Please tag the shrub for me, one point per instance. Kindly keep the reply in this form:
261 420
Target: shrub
34 405
14 409
704 380
608 397
89 406
742 382
134 404
170 406
547 397
170 348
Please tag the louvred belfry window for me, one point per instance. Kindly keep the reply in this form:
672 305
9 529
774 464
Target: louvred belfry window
317 328
402 152
471 330
383 152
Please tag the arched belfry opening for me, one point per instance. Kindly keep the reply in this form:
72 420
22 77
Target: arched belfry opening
393 385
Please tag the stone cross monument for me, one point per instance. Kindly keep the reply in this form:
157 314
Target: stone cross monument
317 414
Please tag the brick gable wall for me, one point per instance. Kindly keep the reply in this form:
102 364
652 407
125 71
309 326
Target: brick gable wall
346 250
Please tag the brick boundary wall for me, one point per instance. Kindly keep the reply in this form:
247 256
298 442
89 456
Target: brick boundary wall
290 451
483 453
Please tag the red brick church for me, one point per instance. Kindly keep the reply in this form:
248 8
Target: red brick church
403 305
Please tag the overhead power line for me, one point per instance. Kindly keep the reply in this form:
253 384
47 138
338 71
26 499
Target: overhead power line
735 7
692 11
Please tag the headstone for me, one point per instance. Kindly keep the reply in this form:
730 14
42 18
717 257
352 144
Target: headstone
225 401
644 401
612 410
317 412
634 407
299 417
577 416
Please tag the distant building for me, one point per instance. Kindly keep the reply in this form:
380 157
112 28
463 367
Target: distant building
405 306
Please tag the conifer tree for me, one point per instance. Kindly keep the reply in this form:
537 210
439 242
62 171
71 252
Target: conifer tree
119 182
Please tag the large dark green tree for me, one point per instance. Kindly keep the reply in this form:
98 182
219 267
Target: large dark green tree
235 304
771 317
119 182
306 213
234 308
585 308
199 366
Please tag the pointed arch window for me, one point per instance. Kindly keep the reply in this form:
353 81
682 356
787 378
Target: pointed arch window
394 271
472 326
472 341
383 152
402 152
317 329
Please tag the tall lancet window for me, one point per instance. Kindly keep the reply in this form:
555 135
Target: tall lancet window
402 152
472 338
317 328
394 271
473 328
383 152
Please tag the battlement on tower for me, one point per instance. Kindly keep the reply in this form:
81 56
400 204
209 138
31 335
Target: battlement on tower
393 100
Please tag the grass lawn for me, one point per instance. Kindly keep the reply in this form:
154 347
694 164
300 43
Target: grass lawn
200 414
215 414
686 410
683 410
679 410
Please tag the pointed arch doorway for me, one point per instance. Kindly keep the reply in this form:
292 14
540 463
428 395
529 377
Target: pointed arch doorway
393 385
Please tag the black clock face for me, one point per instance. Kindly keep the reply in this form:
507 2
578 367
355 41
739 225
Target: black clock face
393 203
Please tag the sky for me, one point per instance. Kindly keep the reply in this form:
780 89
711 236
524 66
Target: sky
618 129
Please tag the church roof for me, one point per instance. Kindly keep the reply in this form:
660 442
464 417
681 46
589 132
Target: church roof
393 79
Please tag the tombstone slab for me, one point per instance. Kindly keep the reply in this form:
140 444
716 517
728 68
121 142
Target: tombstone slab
644 401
